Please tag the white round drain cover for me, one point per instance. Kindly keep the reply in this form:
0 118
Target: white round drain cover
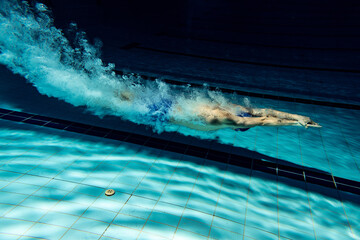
109 192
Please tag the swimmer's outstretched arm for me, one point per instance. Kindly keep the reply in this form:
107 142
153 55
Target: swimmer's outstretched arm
267 112
217 118
264 112
219 123
267 121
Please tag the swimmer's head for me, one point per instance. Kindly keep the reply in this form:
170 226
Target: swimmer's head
124 95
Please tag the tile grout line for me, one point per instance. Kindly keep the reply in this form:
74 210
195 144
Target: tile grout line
347 143
96 198
140 147
156 159
188 198
351 186
336 188
59 200
192 189
19 136
277 182
18 235
277 175
35 127
130 195
305 182
24 174
244 228
248 192
157 201
22 220
135 216
221 186
306 188
337 191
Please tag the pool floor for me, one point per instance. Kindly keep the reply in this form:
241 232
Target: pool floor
52 186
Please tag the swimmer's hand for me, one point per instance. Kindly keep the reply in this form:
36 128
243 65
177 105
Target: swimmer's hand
303 121
307 122
312 124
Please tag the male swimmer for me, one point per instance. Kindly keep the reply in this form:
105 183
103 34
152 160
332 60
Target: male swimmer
245 118
214 117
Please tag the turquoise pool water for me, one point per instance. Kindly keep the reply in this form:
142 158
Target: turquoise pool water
53 182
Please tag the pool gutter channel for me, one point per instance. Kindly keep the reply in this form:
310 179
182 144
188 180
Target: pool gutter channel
309 176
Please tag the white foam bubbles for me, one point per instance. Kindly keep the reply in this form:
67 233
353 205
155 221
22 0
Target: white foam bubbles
70 68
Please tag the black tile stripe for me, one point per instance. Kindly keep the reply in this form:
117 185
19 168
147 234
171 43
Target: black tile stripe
118 136
245 20
55 125
313 177
321 181
292 175
35 121
347 182
272 33
138 46
171 35
22 114
5 111
13 118
347 188
252 94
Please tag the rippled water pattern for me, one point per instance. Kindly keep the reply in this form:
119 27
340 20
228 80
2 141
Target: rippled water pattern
53 182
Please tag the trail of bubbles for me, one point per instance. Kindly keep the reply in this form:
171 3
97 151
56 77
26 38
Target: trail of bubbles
69 68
